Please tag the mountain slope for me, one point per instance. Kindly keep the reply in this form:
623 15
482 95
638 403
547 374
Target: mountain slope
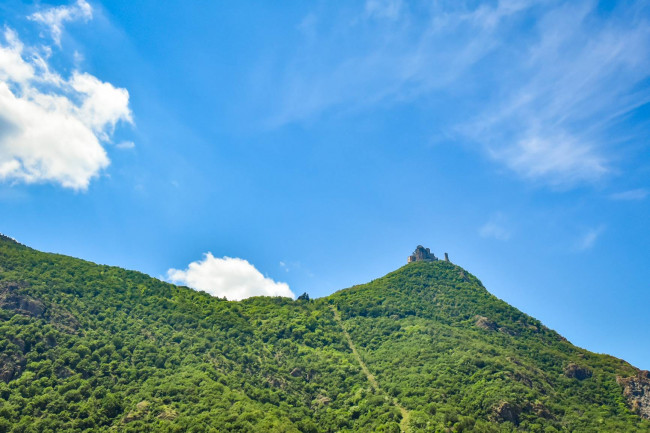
452 353
85 347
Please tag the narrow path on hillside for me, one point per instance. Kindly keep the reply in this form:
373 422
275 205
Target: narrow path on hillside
375 385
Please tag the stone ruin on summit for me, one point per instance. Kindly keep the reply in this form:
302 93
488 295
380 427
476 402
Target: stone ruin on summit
422 254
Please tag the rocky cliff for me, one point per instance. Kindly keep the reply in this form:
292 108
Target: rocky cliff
637 391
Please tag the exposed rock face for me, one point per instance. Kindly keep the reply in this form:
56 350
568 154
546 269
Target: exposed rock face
22 304
12 297
577 372
637 391
422 254
320 401
11 366
141 411
168 413
506 412
485 323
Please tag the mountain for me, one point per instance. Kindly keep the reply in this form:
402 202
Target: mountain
86 347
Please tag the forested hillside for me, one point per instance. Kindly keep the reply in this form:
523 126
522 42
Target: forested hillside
85 347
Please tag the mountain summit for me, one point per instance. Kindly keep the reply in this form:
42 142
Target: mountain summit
93 348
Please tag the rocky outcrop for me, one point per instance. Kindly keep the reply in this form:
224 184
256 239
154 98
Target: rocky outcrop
576 371
485 323
141 411
11 366
12 297
637 392
168 413
422 254
320 401
505 411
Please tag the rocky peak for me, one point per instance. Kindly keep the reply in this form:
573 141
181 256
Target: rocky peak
422 254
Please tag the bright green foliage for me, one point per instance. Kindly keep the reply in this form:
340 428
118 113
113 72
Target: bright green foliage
85 347
417 331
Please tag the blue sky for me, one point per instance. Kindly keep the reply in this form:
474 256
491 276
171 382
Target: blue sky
277 148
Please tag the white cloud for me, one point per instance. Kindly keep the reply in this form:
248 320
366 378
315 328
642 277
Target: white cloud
102 104
233 278
52 129
44 139
12 66
588 240
496 227
55 17
633 194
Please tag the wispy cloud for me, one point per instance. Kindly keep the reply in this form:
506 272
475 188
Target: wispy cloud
589 238
295 267
560 160
538 86
125 145
496 228
54 18
633 194
389 9
579 77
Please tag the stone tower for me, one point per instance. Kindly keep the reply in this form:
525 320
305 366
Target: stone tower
422 254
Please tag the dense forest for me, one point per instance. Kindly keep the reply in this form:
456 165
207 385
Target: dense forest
86 347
